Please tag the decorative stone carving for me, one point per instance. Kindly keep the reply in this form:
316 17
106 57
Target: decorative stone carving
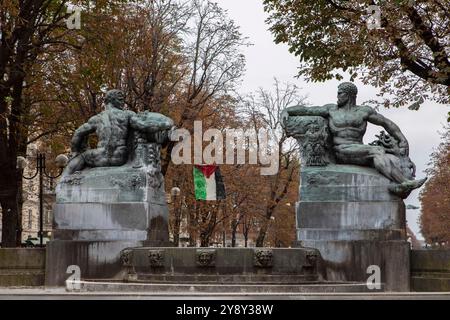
263 258
152 156
206 257
132 183
310 266
126 257
155 177
75 179
313 137
312 257
156 258
320 179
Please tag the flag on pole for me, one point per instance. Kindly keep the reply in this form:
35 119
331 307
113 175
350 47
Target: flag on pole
208 183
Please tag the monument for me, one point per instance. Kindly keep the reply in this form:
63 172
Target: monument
111 216
351 195
111 219
110 197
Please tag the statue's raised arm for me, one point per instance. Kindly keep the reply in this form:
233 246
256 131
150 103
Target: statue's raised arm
155 127
78 143
293 111
151 122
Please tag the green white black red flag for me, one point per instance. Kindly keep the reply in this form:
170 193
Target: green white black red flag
208 183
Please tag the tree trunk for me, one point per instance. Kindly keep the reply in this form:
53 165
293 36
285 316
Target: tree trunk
234 225
167 157
223 239
13 137
192 225
192 241
204 239
262 233
19 228
176 231
9 193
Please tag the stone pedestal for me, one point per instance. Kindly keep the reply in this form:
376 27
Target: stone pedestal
349 215
101 211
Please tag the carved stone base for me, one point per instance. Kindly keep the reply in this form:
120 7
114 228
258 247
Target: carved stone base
101 211
112 203
349 215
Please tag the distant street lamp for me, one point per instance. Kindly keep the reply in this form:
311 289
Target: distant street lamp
61 161
175 194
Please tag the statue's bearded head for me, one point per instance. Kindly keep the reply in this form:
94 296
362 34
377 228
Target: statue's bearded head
116 98
347 92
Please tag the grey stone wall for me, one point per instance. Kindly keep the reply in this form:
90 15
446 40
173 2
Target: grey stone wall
430 270
22 267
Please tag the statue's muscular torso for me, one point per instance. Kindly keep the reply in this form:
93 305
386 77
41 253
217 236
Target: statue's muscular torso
348 126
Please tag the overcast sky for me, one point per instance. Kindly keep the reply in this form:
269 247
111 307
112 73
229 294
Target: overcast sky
266 60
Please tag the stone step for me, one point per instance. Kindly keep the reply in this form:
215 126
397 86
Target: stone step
21 277
226 279
430 284
90 286
426 274
22 267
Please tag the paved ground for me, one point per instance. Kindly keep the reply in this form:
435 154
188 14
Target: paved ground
61 293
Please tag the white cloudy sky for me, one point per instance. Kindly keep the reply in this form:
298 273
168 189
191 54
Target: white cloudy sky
266 60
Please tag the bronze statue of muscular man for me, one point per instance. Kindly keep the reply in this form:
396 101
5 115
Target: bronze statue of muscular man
347 125
112 127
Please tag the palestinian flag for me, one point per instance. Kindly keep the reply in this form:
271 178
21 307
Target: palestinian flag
208 183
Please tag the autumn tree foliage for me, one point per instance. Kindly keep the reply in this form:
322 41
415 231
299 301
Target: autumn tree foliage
179 58
168 56
28 29
406 56
435 196
207 220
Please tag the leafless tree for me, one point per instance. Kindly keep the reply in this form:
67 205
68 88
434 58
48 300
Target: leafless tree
264 111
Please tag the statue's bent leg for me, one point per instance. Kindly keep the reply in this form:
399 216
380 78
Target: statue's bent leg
393 165
387 164
361 154
119 156
96 158
353 154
